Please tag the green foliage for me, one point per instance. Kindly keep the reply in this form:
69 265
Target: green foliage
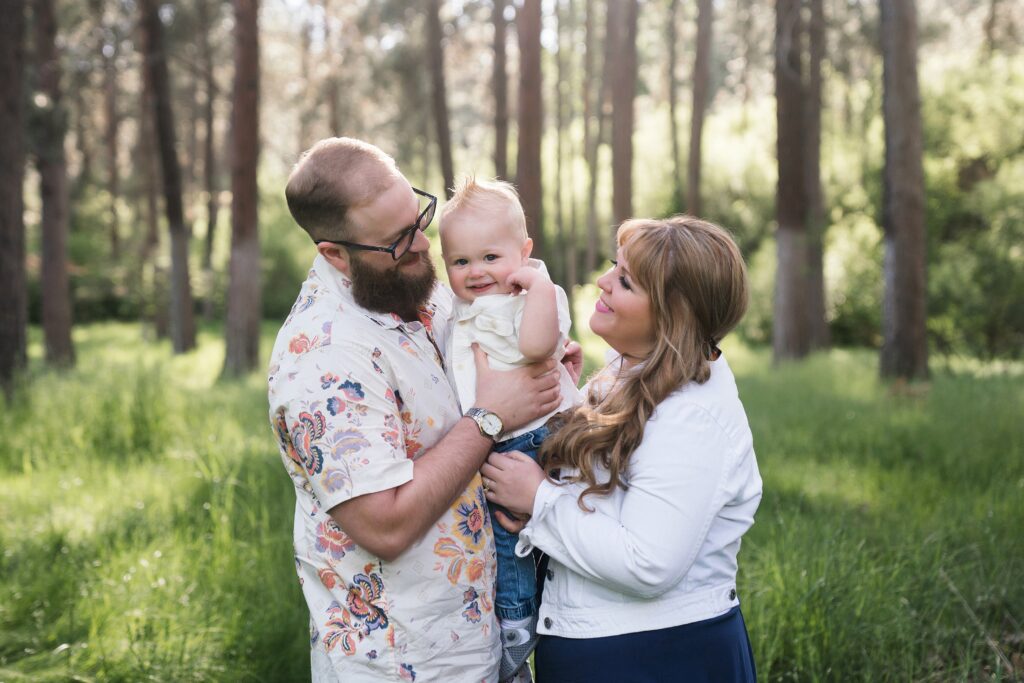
286 255
145 520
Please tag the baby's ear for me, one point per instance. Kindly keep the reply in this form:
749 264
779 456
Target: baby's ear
527 248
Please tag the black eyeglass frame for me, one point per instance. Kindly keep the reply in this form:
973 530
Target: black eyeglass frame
408 234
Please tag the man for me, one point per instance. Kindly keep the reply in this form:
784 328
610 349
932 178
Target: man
392 543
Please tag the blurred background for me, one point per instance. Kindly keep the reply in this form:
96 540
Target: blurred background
868 156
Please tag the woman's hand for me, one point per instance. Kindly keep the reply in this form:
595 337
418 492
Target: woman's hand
511 480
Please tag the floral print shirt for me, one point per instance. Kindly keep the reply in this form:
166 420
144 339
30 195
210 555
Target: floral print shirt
355 397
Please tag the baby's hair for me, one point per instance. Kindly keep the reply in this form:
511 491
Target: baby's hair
493 196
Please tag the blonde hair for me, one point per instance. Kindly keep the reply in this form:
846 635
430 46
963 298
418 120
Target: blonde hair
695 277
490 196
332 177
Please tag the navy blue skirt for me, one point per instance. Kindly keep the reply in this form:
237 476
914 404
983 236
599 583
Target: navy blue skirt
715 650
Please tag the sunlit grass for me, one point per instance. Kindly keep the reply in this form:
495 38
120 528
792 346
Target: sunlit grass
145 519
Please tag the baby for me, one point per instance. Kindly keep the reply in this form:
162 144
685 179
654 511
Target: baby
507 304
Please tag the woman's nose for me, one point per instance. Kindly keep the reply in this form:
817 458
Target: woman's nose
603 282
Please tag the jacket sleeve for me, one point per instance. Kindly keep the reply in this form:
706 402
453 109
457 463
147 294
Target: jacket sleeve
679 479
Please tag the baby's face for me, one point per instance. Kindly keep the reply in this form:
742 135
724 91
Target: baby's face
480 253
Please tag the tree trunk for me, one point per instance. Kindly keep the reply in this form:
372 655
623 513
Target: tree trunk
592 108
531 122
672 37
113 172
242 331
209 157
439 94
817 326
305 94
701 82
53 189
500 92
905 343
623 92
14 302
556 91
331 88
183 332
789 330
572 277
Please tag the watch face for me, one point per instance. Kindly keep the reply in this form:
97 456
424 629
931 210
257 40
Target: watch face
491 424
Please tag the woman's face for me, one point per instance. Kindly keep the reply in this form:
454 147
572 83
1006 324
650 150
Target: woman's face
622 315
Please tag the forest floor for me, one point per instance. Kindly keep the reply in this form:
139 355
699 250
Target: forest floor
145 520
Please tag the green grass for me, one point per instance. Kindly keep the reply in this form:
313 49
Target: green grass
145 521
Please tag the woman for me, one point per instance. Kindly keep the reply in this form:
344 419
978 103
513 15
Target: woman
653 481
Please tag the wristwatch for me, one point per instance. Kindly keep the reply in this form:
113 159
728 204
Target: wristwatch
487 422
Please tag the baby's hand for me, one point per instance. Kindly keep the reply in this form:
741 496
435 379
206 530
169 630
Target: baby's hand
526 278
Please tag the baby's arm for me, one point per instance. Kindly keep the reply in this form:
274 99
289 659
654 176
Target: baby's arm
538 331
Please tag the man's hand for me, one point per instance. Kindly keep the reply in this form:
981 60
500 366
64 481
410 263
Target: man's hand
518 396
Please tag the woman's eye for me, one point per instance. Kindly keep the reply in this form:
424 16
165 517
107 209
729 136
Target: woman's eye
613 262
625 283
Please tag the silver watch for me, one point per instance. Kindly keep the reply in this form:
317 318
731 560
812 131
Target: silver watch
487 422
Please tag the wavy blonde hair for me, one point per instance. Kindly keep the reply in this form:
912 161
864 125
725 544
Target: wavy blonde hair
696 280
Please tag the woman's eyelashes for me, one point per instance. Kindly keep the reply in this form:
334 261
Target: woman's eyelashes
622 278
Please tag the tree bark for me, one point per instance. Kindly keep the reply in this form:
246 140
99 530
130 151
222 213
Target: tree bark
623 92
500 91
112 125
50 131
331 87
789 329
209 156
572 277
904 307
672 37
242 331
14 302
592 108
817 326
556 91
701 83
439 94
183 331
531 122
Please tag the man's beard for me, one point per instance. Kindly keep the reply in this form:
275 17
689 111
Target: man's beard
388 290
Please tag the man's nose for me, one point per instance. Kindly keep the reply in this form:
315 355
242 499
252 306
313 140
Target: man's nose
420 242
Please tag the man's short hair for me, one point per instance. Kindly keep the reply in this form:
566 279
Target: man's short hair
332 177
496 197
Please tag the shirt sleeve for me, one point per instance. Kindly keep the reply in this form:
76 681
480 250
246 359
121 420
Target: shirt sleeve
343 423
677 485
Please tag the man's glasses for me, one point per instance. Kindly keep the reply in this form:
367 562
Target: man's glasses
400 247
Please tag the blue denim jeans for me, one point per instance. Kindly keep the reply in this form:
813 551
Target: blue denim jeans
516 597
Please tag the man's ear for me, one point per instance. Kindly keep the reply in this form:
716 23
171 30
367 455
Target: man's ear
527 248
336 256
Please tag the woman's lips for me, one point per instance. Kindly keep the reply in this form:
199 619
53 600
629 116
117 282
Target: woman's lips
602 307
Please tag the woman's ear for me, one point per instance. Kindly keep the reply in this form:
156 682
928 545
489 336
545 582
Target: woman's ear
527 248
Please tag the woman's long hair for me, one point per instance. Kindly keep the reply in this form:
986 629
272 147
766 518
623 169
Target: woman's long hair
696 280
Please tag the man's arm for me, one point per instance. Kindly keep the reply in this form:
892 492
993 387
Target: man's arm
387 523
538 331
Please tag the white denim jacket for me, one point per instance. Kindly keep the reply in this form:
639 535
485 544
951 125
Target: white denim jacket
662 552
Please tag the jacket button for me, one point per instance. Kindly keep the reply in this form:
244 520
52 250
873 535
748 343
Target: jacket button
550 573
732 594
547 622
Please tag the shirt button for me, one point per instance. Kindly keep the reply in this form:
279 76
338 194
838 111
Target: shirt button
547 622
732 594
550 574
